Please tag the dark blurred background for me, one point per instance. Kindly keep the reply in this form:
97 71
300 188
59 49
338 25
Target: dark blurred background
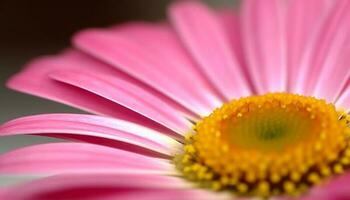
32 28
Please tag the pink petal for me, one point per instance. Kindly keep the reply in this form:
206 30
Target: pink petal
326 47
206 40
344 100
3 192
161 40
126 94
34 79
263 31
335 189
334 61
194 194
334 77
93 129
134 59
76 158
231 23
109 187
92 186
304 18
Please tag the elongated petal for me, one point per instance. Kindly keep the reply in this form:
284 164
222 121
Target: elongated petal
76 158
3 192
304 18
230 21
333 71
335 75
171 195
132 58
161 40
109 186
93 129
126 94
263 31
203 34
335 189
90 186
343 102
34 79
326 48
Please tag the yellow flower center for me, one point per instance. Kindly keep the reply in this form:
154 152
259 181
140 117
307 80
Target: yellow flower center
273 144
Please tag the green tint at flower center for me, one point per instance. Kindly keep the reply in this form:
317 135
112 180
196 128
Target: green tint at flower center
267 145
273 130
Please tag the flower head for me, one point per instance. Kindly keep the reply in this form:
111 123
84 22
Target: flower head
247 103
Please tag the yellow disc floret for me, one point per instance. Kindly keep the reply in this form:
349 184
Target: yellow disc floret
266 145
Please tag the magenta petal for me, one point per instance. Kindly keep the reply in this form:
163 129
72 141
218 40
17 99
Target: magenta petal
334 189
171 194
202 32
303 18
34 79
90 186
162 41
344 99
230 20
126 94
333 71
263 31
3 192
108 187
93 129
326 52
76 158
132 58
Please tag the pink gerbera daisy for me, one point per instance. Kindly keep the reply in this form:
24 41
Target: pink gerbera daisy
212 105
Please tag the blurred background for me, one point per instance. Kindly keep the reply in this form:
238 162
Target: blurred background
32 28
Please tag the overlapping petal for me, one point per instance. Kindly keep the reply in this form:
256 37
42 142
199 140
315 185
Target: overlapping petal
126 94
323 56
93 129
132 58
330 72
204 36
304 18
101 186
264 44
58 158
36 79
152 80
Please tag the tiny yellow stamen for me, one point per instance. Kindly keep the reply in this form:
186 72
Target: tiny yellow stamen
264 188
267 145
242 188
289 187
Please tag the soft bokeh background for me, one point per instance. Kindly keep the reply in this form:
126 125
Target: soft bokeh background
32 28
